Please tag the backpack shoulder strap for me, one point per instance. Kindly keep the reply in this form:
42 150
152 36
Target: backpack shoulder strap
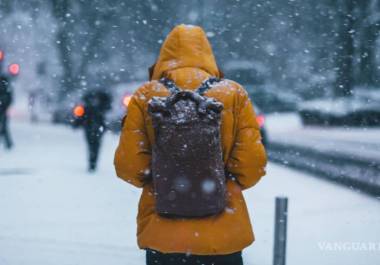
170 85
206 85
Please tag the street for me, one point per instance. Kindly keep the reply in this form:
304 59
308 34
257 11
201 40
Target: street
52 212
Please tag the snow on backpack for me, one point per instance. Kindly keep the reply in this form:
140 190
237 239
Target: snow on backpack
187 160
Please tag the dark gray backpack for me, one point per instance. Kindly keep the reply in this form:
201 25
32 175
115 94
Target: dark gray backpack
187 160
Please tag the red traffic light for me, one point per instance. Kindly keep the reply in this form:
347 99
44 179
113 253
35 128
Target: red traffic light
260 120
1 55
14 69
78 111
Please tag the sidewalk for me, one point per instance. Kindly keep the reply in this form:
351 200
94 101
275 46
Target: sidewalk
54 213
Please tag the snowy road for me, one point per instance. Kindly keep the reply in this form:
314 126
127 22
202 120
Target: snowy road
53 212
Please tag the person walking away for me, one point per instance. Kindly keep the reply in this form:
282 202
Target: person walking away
96 104
192 143
32 104
5 102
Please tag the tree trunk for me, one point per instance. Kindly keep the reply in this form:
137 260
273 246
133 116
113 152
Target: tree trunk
368 70
60 11
67 80
345 54
368 73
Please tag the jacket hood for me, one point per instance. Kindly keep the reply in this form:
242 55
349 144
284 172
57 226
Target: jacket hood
185 46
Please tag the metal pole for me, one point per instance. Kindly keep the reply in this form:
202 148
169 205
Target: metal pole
281 219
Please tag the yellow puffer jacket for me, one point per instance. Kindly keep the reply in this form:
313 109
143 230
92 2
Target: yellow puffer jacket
186 57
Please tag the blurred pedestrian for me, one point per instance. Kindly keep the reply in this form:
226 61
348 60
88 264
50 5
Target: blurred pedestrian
96 104
32 103
5 102
191 141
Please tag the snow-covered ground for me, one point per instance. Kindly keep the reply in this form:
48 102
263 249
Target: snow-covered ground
361 143
288 123
52 212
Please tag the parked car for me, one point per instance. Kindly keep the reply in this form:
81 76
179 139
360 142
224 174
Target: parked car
122 94
63 112
361 109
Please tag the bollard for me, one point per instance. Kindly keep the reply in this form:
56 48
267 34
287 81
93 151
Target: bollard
279 255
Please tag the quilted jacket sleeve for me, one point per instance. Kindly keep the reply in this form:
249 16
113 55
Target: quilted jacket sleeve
133 155
248 158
